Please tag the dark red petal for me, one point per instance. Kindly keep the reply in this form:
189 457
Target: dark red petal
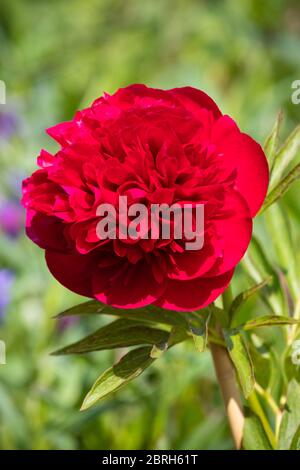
193 294
242 153
129 286
191 264
46 231
232 229
194 99
142 95
62 132
72 271
253 179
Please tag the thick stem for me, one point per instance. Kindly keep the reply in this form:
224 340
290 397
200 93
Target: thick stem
227 380
230 390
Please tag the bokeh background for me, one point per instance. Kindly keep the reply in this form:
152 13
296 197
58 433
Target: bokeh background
57 56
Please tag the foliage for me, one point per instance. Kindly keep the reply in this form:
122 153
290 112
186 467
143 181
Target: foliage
56 58
158 330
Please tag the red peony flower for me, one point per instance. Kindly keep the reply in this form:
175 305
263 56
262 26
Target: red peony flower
152 146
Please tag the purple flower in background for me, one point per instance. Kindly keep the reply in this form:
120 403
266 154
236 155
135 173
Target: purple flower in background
65 323
11 218
7 278
8 124
12 214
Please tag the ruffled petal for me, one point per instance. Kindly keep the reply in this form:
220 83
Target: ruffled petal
127 286
193 294
72 271
232 228
194 99
46 231
241 153
192 264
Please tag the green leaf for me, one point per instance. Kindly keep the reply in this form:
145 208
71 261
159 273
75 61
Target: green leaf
158 349
176 335
258 266
271 144
281 188
291 370
200 333
247 294
295 445
254 436
128 368
278 226
291 417
260 259
148 314
118 334
268 320
284 156
241 359
220 316
261 365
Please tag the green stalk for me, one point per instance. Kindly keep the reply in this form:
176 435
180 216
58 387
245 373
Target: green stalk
253 401
226 376
258 410
227 298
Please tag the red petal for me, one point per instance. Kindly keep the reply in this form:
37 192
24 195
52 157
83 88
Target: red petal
193 294
232 230
192 264
242 153
129 286
194 99
46 231
72 271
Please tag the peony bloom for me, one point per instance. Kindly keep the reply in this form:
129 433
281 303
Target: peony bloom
152 146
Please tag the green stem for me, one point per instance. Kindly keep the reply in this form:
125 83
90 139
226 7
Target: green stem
227 298
226 376
253 401
265 394
258 410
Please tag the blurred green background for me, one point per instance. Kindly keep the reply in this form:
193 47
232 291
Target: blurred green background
55 57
